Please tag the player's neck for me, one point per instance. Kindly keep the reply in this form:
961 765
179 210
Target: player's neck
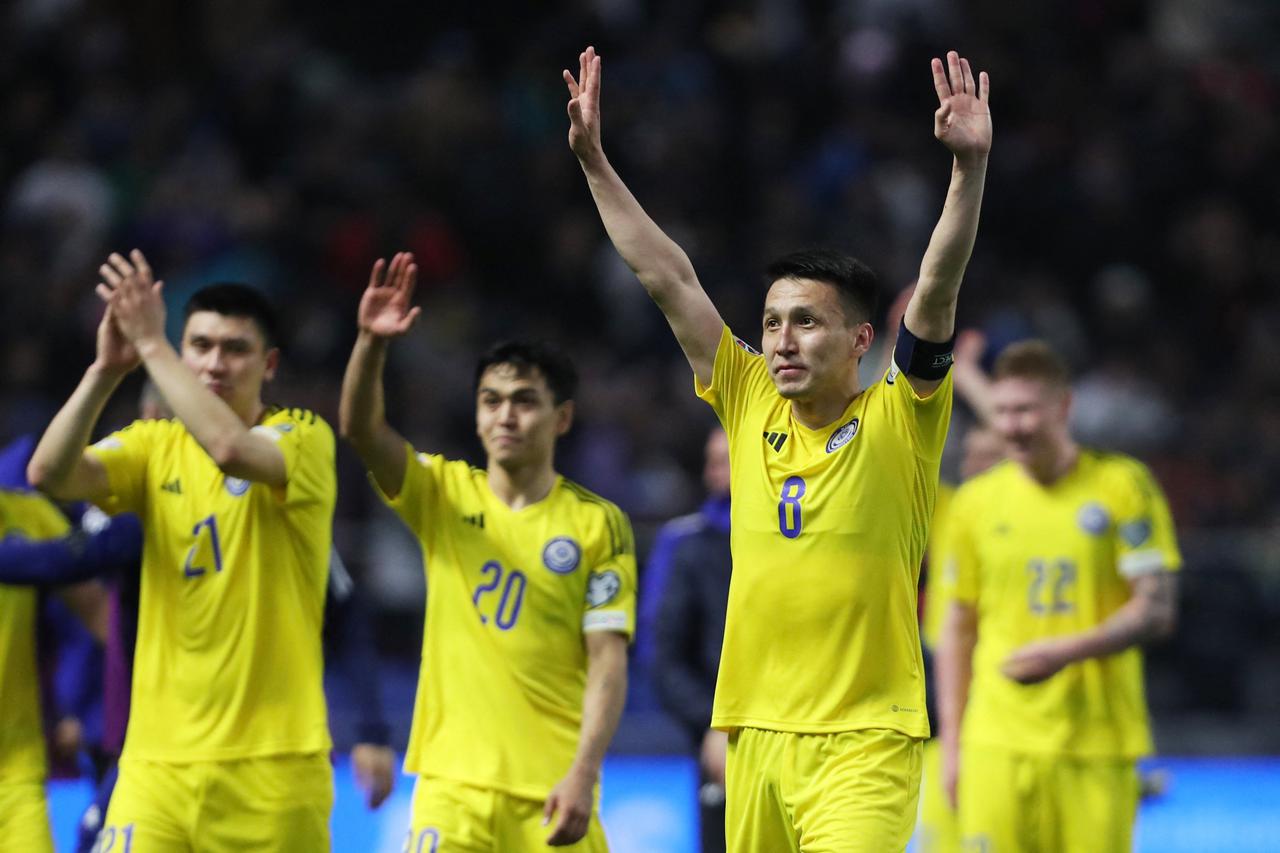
821 411
521 486
1056 465
251 413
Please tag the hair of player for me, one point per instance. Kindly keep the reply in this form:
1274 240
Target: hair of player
1032 359
853 280
232 299
551 361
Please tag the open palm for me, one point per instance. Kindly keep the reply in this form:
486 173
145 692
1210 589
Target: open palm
584 105
963 119
385 307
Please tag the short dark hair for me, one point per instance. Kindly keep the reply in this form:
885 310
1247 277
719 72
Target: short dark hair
233 299
853 280
551 361
1032 359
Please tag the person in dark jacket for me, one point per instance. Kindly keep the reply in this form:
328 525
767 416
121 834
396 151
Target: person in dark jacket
689 580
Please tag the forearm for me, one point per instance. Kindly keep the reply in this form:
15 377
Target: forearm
57 466
213 423
48 562
953 663
931 311
602 703
1138 621
660 264
362 414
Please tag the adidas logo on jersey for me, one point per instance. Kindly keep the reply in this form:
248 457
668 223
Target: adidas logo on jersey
775 440
173 487
476 520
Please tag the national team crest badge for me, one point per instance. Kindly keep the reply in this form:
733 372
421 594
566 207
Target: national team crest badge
561 555
603 588
235 486
1093 519
842 436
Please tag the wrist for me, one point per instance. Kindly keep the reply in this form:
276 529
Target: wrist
104 372
971 162
149 346
585 771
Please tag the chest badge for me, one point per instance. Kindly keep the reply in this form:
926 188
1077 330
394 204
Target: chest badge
842 436
235 486
561 555
1093 519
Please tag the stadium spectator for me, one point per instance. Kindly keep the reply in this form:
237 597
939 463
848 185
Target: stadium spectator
688 582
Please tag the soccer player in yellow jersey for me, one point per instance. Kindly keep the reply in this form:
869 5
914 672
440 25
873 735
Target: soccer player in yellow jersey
1060 561
530 599
821 683
227 744
24 818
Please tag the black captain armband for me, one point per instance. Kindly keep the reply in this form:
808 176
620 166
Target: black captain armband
922 359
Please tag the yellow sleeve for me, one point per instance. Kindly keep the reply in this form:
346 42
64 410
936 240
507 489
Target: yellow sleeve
1145 537
306 441
925 419
611 586
32 515
738 377
124 455
958 553
415 501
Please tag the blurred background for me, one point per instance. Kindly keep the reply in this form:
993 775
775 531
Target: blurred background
1130 218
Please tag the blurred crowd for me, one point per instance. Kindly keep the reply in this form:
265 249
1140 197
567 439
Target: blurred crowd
1130 215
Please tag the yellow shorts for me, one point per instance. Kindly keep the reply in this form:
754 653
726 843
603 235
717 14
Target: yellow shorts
450 817
821 793
24 818
939 827
279 803
1012 802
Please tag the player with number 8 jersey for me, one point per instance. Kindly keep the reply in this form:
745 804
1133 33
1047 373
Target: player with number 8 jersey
838 497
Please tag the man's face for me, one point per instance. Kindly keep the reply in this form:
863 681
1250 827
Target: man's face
230 356
517 418
715 468
811 348
1031 417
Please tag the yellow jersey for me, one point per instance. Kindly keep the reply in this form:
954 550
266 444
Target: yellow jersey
228 662
1042 561
22 755
510 594
828 528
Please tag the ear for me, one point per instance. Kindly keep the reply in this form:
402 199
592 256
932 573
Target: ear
863 335
273 364
564 417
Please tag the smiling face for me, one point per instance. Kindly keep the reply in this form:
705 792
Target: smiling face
811 344
1031 418
230 356
517 417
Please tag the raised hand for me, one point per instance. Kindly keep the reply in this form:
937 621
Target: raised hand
584 105
135 300
384 308
963 120
114 354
